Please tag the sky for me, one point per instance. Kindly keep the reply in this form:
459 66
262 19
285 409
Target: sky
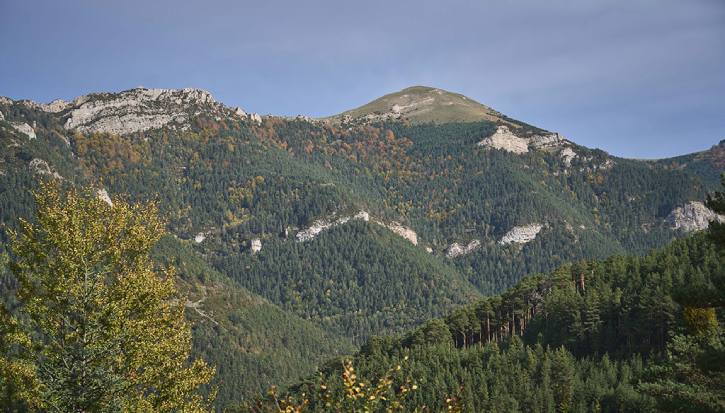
637 78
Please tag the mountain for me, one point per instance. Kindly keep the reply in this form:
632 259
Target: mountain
422 104
352 226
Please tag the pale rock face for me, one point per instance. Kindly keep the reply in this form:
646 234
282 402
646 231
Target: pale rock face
41 167
129 123
456 249
567 155
550 141
138 110
693 216
314 230
55 106
256 245
240 112
5 101
255 118
2 117
505 140
363 215
521 235
199 238
103 196
404 232
24 128
429 250
321 225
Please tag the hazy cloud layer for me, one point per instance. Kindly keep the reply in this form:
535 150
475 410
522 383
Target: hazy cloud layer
637 78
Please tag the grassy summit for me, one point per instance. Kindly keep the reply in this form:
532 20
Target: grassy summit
422 104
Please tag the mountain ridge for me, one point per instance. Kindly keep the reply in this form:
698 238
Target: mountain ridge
414 104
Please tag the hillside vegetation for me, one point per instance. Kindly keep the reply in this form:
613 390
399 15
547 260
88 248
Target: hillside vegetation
459 202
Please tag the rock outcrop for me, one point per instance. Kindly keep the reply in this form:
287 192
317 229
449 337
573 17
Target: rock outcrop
240 112
140 109
456 249
693 216
567 155
135 110
254 117
522 234
505 140
321 225
41 167
256 245
103 196
404 232
24 128
548 141
55 106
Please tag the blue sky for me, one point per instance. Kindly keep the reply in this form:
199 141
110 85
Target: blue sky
637 78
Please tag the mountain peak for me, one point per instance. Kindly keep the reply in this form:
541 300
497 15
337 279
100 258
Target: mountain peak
422 104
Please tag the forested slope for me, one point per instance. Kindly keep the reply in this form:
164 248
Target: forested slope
587 337
252 343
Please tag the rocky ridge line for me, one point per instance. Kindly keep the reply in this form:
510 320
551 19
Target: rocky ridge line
136 110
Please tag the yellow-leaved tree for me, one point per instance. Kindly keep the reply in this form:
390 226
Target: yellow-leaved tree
107 330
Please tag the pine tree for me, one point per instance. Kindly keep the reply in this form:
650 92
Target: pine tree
562 379
109 332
